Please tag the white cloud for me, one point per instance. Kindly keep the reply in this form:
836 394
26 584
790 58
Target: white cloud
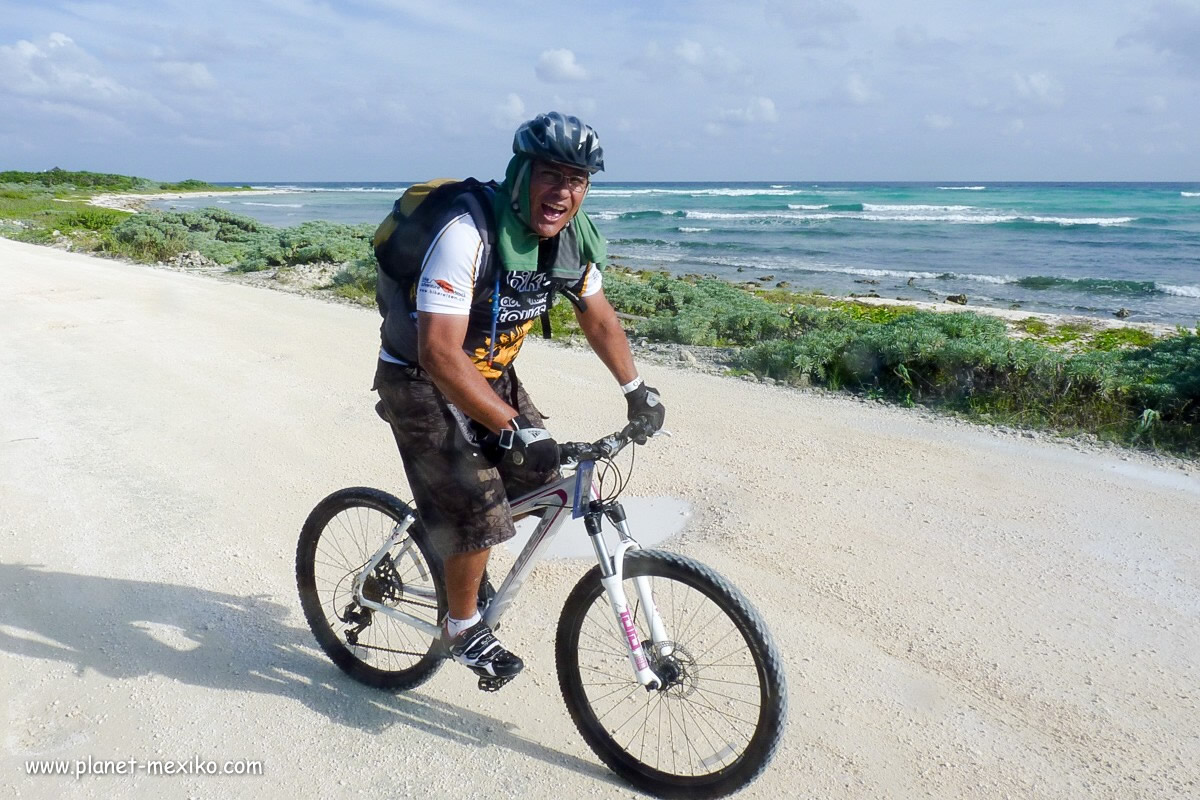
1155 104
690 52
757 110
94 120
187 75
579 106
1014 127
814 23
858 91
1172 28
510 113
559 66
57 68
938 122
690 58
1040 88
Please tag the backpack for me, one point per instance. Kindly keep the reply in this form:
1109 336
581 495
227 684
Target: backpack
403 238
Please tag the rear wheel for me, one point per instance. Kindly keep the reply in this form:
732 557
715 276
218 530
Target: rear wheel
338 539
717 720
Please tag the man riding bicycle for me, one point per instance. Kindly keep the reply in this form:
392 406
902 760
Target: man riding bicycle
468 434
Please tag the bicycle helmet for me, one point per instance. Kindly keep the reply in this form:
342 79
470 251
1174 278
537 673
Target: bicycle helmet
561 139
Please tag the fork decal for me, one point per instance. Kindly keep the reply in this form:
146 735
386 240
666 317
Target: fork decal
631 634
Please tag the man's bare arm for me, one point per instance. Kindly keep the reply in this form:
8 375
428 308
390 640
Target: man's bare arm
440 345
606 336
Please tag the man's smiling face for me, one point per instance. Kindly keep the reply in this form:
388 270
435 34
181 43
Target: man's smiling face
555 194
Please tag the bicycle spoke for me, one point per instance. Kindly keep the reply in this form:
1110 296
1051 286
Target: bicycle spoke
623 687
640 729
685 711
617 705
599 671
717 753
724 714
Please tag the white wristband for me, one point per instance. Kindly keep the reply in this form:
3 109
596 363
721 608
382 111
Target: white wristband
633 384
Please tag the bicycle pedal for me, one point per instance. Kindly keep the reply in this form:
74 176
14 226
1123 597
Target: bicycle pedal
489 683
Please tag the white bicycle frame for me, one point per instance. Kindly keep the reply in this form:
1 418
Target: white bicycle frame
575 492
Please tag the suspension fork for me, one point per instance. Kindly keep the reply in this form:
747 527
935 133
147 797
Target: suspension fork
611 571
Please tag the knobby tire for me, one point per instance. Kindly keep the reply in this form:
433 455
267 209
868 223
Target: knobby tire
715 729
338 538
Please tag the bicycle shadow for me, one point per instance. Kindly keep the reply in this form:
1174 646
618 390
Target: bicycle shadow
125 628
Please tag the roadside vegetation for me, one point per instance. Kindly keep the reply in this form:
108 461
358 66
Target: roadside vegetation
1119 384
238 242
51 207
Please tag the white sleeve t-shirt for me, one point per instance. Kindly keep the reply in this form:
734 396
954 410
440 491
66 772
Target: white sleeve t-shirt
452 265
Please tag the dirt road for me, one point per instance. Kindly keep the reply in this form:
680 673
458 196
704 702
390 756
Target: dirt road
963 613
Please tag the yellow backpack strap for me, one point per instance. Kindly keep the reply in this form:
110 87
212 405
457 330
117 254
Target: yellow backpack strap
409 201
415 195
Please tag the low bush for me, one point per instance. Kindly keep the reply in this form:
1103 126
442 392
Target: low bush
356 280
241 242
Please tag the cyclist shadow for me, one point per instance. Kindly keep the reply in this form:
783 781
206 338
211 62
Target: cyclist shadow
126 628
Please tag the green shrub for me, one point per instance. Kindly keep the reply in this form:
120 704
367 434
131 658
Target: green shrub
1119 338
356 280
241 242
966 362
703 312
91 218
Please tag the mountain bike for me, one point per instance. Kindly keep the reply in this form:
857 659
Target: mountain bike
667 670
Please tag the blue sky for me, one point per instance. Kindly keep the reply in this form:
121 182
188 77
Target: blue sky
766 90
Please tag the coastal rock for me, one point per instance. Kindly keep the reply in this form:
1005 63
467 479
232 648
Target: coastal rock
766 277
783 284
872 281
960 299
1122 313
687 357
193 259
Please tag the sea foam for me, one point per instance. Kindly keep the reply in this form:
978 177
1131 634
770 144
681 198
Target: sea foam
1179 291
886 207
709 192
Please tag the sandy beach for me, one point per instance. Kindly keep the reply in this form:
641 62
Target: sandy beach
138 202
963 611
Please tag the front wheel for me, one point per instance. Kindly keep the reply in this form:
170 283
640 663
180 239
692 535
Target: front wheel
717 720
338 539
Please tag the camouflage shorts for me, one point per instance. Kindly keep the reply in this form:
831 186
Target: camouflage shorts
462 499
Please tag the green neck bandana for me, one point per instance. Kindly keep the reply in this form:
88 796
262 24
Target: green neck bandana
518 244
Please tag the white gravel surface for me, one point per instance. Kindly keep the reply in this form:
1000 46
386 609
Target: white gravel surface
963 612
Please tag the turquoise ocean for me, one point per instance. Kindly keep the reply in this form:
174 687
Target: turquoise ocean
1072 248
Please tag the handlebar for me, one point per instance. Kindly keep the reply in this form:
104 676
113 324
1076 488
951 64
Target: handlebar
607 447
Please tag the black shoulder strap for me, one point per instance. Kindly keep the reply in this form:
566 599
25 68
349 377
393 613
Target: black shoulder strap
401 255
